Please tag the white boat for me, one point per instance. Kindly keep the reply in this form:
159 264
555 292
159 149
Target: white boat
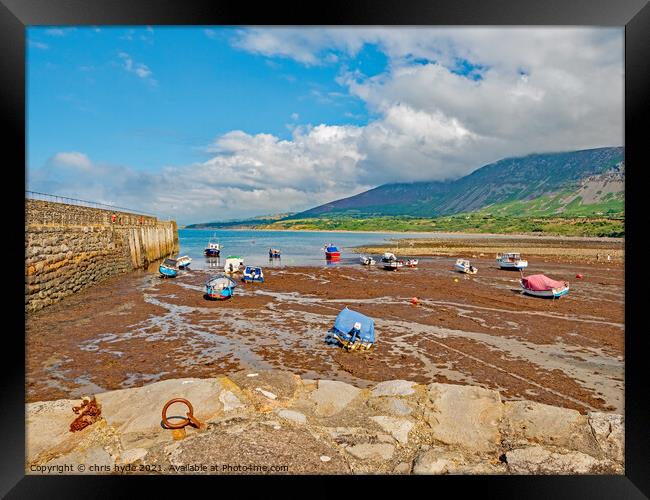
184 261
511 260
367 261
389 261
463 266
233 264
539 285
411 263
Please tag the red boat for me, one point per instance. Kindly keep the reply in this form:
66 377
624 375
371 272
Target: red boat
332 253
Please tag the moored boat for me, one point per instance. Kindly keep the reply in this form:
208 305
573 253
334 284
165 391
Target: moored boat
253 275
332 252
539 285
511 260
389 261
233 264
463 266
274 253
169 268
367 261
220 287
352 330
213 249
411 263
184 261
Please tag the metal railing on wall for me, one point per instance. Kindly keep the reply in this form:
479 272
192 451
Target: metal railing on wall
34 195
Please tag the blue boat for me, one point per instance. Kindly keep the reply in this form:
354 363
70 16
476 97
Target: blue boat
352 330
169 268
274 253
220 287
253 275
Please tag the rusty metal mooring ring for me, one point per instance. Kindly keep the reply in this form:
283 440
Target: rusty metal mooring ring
190 420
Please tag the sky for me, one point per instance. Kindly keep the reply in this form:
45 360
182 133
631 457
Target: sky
208 123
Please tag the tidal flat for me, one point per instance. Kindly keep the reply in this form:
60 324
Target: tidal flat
477 330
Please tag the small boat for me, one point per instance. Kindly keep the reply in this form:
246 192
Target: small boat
463 266
367 261
539 285
253 275
511 260
332 252
220 287
389 261
184 261
411 263
169 268
233 264
213 249
274 253
352 330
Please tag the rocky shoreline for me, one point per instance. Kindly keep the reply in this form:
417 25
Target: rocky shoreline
275 422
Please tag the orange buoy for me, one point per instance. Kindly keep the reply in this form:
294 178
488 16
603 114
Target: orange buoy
414 300
579 276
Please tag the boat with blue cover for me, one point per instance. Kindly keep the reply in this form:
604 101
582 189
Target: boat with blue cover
253 275
220 287
332 252
169 268
352 330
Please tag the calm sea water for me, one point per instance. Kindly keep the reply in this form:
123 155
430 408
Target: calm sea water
299 248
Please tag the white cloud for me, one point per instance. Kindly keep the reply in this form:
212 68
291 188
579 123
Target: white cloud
141 70
38 45
55 32
540 89
72 159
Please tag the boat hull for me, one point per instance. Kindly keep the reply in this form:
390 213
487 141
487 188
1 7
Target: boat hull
332 255
513 265
463 269
211 252
167 272
392 266
222 295
555 293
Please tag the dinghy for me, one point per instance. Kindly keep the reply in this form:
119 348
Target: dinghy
352 330
184 261
253 275
463 266
539 285
220 287
389 261
411 263
367 261
511 260
332 252
169 268
233 264
274 253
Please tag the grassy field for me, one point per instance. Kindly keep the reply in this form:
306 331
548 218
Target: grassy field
470 223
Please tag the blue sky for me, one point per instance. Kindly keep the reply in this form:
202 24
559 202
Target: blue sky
193 87
213 123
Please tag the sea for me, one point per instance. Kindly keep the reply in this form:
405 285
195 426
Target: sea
298 248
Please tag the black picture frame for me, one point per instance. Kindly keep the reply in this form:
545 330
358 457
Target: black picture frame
16 15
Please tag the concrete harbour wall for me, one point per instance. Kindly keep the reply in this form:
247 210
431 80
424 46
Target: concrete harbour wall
71 247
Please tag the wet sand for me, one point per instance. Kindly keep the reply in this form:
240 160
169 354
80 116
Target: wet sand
479 330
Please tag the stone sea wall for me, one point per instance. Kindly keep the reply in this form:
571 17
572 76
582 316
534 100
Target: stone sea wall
275 422
71 247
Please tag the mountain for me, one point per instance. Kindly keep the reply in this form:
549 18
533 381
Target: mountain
240 223
537 184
